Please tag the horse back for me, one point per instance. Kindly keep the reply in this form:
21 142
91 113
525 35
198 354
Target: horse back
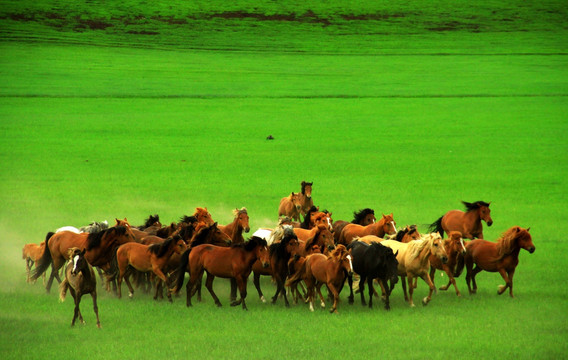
318 266
61 242
216 260
483 253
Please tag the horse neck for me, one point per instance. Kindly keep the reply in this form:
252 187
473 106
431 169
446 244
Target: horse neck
472 218
377 228
424 255
86 272
514 252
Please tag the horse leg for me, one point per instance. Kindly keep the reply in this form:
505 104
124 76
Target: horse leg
403 280
241 282
51 277
233 295
371 291
507 276
362 280
29 263
451 280
209 286
428 281
161 279
335 293
386 294
350 282
76 300
256 282
95 307
432 273
410 290
322 301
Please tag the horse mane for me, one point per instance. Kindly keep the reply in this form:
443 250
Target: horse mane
279 248
252 243
474 205
201 235
160 249
187 219
416 246
304 184
407 230
240 211
358 216
151 220
338 253
94 239
306 223
506 244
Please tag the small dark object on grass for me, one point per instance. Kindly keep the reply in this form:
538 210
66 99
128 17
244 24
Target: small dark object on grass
270 137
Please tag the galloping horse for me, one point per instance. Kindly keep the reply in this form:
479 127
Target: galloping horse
385 225
362 217
100 249
413 261
235 229
374 261
319 269
502 257
226 262
80 279
468 223
147 258
32 253
209 234
454 247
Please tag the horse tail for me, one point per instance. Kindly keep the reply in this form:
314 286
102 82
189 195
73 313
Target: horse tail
298 275
63 289
459 266
436 226
45 260
180 272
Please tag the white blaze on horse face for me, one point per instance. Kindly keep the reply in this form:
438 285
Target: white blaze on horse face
75 260
393 226
329 224
462 244
350 263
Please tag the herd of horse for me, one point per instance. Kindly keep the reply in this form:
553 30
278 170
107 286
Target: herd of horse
301 256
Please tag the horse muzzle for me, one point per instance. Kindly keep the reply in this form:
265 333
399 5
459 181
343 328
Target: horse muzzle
490 222
265 264
444 259
531 249
331 247
247 230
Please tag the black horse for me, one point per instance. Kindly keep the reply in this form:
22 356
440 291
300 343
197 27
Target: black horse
373 261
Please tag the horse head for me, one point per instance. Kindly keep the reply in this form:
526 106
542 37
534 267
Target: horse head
260 246
307 189
242 218
456 244
485 213
202 215
388 224
343 256
524 239
79 261
437 247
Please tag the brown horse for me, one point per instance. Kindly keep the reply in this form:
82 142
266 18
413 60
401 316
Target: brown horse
31 253
502 257
362 217
454 247
235 229
147 258
138 234
202 215
414 261
100 248
319 269
468 223
151 225
385 225
80 279
306 197
226 262
319 235
291 206
209 234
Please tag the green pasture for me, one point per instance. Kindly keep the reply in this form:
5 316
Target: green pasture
116 111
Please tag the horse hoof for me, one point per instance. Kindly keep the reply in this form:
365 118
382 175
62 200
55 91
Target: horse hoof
501 289
412 305
425 301
131 295
262 299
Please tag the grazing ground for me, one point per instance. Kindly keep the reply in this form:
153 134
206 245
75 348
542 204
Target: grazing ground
113 111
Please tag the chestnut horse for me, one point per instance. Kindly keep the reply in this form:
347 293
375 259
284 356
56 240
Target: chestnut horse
80 279
468 223
362 217
226 262
291 206
235 229
100 247
32 253
385 225
454 248
319 269
502 257
319 235
414 261
147 258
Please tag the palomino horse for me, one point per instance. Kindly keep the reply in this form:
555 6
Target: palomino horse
319 269
100 248
362 217
280 253
373 261
290 206
235 229
502 257
454 247
226 262
468 223
385 225
80 279
147 258
413 261
32 253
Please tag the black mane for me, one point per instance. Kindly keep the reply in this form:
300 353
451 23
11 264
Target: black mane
279 248
94 239
361 214
188 219
151 220
201 236
251 244
306 223
304 184
161 249
475 205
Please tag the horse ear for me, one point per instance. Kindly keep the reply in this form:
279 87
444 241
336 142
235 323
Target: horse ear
528 229
396 253
84 251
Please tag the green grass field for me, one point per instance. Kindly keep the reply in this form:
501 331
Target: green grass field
404 107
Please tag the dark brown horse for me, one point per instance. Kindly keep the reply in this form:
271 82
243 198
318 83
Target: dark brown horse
80 279
319 269
362 217
385 225
226 262
100 247
146 258
455 247
235 229
501 257
468 223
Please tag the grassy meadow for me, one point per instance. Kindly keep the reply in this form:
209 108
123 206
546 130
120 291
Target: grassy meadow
113 111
